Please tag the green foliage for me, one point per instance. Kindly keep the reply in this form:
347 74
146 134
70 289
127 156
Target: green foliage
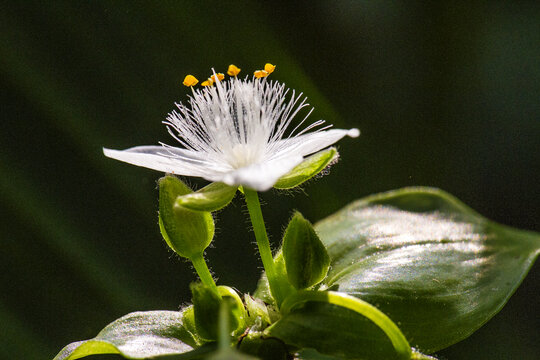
420 256
138 335
436 267
206 309
187 232
306 259
415 258
212 197
238 315
307 169
333 330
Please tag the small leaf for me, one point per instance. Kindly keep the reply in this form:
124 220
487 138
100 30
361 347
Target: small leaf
433 265
212 197
188 320
307 169
257 311
206 305
306 259
238 314
138 335
187 232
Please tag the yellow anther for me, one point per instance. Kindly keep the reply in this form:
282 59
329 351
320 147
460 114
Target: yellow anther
219 77
260 74
233 70
190 80
208 82
269 68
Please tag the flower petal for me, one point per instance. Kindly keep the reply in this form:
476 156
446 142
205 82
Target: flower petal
312 142
262 176
169 160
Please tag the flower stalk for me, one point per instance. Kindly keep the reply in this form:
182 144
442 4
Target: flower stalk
257 221
204 273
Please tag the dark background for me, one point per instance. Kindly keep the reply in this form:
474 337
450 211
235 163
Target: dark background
446 94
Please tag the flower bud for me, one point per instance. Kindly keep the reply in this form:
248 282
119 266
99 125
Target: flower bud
187 232
306 259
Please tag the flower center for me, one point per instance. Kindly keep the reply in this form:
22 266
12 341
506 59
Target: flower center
241 155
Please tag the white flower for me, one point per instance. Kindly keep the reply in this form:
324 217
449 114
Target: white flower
235 133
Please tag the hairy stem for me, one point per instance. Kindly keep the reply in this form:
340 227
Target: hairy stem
204 272
255 214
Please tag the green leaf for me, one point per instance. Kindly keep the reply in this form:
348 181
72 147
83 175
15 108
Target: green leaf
333 330
238 314
306 259
138 335
187 232
206 305
264 348
212 197
307 169
312 354
433 265
358 306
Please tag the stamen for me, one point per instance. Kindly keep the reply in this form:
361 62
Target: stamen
233 70
208 82
216 77
190 80
269 68
260 74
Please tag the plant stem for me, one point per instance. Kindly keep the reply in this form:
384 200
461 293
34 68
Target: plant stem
391 330
255 214
224 341
204 272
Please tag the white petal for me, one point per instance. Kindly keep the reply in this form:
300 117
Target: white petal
169 160
312 142
260 177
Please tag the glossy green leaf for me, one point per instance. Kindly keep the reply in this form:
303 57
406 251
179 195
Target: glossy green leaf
333 330
187 232
307 169
138 335
306 259
433 265
212 197
357 306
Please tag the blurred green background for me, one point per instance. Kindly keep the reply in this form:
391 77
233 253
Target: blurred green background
446 94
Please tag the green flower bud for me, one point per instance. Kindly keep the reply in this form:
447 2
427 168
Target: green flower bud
307 169
306 259
187 232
